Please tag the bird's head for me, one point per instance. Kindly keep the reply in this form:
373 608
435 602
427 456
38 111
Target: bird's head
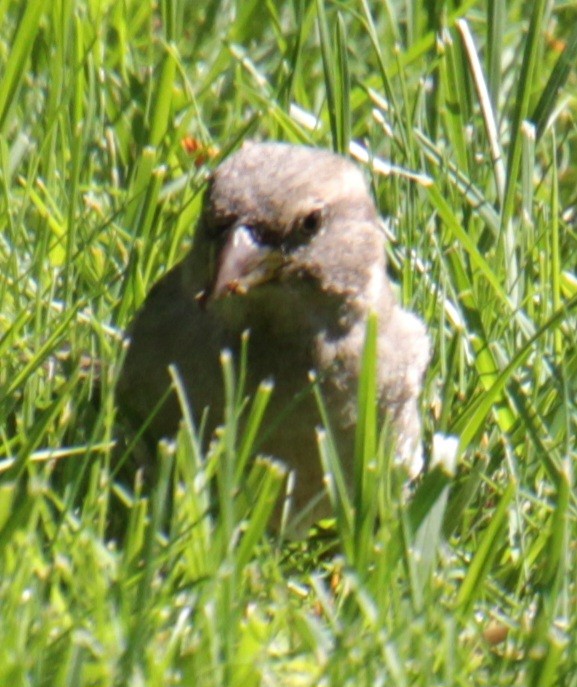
290 215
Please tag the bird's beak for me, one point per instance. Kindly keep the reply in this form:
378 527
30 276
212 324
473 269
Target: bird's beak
242 264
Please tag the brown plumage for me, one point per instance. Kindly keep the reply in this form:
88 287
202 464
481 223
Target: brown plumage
289 247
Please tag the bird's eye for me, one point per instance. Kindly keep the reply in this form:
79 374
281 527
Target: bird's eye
311 222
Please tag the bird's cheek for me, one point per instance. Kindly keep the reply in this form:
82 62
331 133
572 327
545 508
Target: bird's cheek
301 268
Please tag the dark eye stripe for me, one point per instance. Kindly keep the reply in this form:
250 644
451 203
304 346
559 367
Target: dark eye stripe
267 237
301 231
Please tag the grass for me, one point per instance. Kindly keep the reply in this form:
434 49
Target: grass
111 116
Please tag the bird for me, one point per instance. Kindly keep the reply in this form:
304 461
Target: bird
289 246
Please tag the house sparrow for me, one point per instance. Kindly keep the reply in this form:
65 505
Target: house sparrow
288 246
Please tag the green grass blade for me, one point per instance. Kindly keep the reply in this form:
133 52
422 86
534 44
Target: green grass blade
557 80
521 111
20 50
485 554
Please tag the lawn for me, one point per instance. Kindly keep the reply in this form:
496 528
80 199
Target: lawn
464 117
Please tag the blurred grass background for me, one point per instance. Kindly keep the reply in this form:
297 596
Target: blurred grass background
111 116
